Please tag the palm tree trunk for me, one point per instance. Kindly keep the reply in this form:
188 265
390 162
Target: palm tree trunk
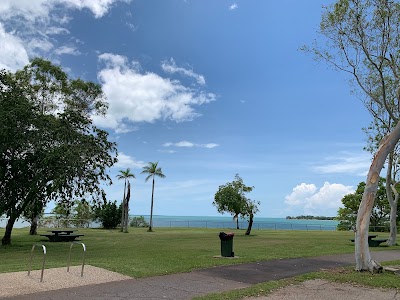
123 209
151 209
126 208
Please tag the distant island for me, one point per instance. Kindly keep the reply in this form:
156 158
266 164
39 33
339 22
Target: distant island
310 218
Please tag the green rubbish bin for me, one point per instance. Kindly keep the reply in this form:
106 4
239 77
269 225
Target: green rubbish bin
226 244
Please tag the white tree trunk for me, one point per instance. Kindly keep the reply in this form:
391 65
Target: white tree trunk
390 191
393 217
362 254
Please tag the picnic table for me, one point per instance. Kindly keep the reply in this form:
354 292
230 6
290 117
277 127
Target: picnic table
372 242
62 235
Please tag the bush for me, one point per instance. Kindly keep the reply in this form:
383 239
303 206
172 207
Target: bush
138 222
109 214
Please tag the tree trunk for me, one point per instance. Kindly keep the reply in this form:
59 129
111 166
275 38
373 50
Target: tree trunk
151 209
123 209
34 225
362 254
237 222
390 191
6 240
250 225
126 208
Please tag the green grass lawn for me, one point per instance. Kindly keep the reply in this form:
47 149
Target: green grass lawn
170 250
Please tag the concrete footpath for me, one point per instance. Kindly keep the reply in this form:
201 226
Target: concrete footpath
204 281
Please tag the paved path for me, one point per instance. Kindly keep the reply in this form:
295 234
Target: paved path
205 281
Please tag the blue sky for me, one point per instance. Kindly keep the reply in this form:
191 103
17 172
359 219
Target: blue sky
209 89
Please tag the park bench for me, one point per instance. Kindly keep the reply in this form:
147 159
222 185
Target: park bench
372 242
62 235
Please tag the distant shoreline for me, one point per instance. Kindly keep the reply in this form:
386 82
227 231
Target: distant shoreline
322 218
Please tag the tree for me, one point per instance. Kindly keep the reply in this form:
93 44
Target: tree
152 170
49 154
138 222
109 214
83 213
376 131
251 209
125 175
230 198
347 215
362 39
63 212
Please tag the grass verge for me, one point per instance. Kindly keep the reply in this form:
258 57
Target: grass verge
172 250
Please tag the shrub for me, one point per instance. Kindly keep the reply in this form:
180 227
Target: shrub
109 214
138 222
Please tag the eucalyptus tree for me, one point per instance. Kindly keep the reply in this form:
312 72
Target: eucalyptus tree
362 38
375 132
152 170
49 147
125 175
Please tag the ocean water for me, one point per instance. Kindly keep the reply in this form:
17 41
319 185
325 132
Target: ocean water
223 222
226 222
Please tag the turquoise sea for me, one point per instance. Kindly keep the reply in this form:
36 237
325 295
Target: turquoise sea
223 222
229 223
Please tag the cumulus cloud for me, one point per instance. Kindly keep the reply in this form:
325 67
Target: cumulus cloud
134 96
26 27
350 163
190 145
13 54
126 161
170 66
313 201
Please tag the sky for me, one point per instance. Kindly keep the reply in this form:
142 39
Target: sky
209 89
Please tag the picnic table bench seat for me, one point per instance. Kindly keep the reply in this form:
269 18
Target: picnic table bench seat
62 237
374 242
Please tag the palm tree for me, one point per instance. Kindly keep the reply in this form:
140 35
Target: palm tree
152 170
125 205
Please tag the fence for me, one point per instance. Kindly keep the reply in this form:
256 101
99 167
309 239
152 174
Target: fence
53 222
243 225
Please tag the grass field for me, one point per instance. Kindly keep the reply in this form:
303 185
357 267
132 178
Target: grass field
167 250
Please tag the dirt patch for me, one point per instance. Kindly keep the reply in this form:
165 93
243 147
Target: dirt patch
322 289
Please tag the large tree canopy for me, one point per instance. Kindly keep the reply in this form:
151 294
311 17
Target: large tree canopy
49 147
231 198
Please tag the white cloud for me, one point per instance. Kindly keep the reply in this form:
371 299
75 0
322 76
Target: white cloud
67 50
26 27
171 67
210 145
190 145
134 96
233 6
350 163
56 31
184 144
126 161
13 55
313 201
35 9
